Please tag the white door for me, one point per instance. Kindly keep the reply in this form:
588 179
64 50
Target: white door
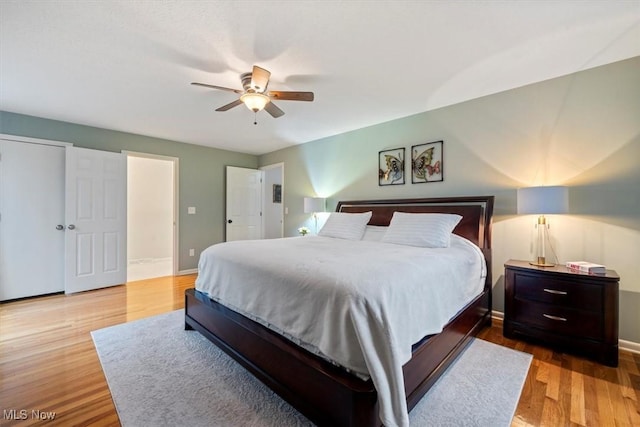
96 219
244 204
31 207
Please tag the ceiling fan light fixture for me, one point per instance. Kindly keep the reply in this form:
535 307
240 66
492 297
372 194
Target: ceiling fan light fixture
254 94
255 101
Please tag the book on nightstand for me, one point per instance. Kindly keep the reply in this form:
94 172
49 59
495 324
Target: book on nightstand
586 267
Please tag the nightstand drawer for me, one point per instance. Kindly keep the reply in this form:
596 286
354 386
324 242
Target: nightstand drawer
559 292
559 320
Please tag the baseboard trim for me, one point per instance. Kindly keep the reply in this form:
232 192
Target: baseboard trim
148 261
629 346
189 271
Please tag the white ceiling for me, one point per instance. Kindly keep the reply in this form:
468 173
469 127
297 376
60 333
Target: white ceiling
127 65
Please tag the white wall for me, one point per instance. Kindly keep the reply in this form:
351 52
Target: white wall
150 209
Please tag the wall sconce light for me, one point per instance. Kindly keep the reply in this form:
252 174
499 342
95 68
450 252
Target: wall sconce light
313 205
541 201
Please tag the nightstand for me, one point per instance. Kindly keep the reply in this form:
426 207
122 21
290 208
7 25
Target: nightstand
575 312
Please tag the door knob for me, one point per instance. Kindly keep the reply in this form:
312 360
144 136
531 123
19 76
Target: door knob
229 221
71 226
59 227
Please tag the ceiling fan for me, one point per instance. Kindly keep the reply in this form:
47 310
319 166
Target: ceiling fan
255 95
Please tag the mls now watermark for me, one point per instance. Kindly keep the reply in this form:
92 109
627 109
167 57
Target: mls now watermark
24 414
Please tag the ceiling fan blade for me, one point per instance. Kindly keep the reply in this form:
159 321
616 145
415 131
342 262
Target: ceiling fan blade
272 109
259 78
217 87
229 105
291 96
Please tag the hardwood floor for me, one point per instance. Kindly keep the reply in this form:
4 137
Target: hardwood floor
565 390
47 359
48 364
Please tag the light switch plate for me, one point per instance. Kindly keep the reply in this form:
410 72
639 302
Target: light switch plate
191 210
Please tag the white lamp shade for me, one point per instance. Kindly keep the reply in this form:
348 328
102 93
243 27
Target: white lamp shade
255 101
313 204
543 200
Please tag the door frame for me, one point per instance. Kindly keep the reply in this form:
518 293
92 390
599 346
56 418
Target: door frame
265 192
176 200
18 138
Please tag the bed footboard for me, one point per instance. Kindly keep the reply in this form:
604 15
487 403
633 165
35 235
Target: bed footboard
325 393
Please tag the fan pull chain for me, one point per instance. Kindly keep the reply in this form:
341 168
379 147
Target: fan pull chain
255 117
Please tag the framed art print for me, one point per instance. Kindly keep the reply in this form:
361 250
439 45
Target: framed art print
426 162
391 167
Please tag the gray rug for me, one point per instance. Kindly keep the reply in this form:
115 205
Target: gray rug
161 375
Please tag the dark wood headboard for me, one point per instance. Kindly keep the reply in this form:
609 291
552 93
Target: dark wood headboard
476 212
475 225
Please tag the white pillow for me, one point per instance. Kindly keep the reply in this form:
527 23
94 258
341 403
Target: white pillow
427 230
374 233
344 225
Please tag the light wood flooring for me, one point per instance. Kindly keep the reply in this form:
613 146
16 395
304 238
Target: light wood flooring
48 364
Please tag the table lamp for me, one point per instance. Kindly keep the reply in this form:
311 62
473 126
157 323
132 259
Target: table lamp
313 205
541 201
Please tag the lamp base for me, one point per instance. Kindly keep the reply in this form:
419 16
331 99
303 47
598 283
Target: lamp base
538 264
541 262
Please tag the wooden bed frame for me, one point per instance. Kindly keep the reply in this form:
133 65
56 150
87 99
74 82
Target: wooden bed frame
325 393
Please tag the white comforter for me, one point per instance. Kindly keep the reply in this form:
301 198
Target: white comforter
361 304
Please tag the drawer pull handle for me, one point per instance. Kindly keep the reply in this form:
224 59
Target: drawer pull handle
553 291
548 316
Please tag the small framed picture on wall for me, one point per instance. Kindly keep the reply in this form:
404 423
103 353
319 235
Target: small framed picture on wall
427 162
391 167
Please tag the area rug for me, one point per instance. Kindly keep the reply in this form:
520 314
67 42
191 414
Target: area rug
161 375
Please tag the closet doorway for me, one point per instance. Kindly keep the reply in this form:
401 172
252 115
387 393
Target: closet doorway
152 197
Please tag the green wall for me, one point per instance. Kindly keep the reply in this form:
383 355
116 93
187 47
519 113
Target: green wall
580 130
201 172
